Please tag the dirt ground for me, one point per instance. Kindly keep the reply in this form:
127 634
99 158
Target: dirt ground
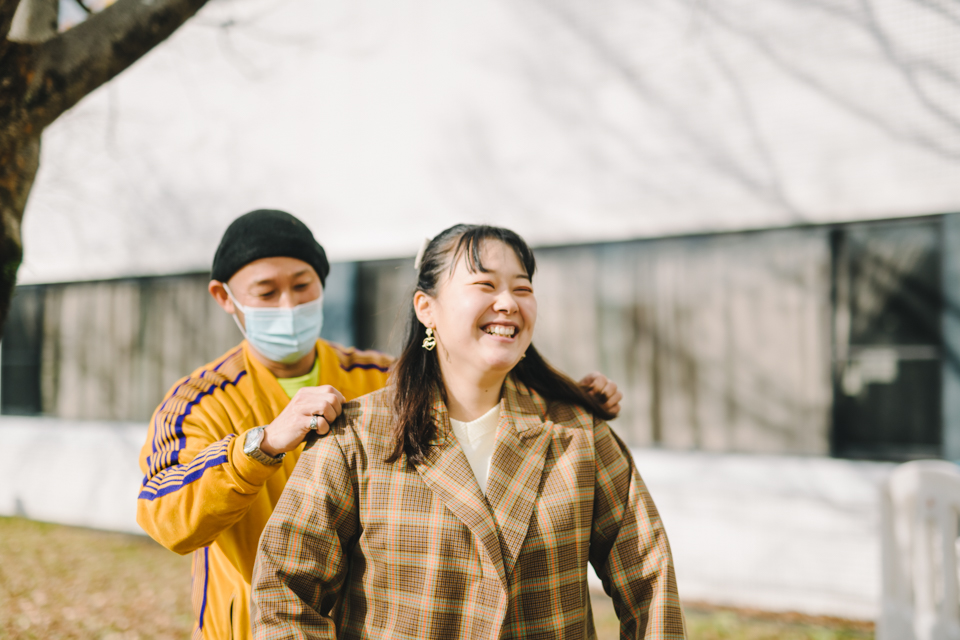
71 583
66 582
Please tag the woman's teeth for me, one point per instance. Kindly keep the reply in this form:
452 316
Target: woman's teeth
499 330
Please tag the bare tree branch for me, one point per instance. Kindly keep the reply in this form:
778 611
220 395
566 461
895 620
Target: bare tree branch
78 61
35 21
7 9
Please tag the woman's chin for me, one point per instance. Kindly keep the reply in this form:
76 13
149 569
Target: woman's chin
503 364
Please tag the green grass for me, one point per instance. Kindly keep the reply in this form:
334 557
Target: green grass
65 582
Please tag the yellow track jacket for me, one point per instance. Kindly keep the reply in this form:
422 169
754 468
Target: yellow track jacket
202 494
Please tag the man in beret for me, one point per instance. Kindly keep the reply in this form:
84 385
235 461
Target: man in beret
225 439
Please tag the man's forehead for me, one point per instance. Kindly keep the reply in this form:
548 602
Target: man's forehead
266 270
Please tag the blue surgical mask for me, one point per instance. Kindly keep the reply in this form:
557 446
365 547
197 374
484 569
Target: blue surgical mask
281 334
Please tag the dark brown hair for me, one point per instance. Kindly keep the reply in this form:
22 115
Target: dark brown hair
416 374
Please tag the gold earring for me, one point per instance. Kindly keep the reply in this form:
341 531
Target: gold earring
429 342
524 355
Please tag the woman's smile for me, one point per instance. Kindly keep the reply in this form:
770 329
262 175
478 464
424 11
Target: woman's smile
498 330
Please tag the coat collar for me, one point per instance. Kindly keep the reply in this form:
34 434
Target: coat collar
500 519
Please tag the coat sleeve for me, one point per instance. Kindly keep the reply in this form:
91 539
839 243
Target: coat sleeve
303 559
629 548
197 480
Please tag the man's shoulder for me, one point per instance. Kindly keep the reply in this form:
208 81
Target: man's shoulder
224 372
351 359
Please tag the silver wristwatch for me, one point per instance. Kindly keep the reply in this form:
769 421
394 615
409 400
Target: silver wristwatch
251 447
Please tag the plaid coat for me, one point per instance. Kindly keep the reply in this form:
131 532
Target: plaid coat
358 548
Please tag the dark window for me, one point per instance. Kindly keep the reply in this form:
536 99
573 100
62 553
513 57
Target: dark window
384 294
339 304
887 340
20 353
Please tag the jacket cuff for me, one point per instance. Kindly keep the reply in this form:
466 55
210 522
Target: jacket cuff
250 474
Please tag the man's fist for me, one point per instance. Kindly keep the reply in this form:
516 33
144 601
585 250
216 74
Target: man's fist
293 424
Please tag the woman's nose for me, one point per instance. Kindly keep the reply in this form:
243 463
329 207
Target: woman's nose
505 303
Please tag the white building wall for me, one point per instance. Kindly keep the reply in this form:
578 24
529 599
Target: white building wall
379 122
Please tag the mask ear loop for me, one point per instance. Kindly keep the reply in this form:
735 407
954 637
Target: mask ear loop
236 305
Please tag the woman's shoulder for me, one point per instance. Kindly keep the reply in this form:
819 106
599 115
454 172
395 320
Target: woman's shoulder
561 413
570 415
366 422
370 413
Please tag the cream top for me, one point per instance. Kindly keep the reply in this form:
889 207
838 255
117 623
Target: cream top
477 439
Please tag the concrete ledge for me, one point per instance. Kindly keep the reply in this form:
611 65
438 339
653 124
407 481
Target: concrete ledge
777 533
71 472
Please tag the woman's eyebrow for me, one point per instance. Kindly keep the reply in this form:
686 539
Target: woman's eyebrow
493 272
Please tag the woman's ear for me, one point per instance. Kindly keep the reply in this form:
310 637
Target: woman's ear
423 307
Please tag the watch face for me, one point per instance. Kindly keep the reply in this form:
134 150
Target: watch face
253 439
251 447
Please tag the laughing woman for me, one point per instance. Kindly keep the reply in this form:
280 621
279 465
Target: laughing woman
466 499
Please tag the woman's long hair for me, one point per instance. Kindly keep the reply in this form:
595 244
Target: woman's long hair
417 375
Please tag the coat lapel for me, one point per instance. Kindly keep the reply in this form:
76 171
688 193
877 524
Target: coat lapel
448 474
513 484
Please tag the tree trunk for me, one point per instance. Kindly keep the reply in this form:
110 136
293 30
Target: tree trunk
18 167
34 21
42 74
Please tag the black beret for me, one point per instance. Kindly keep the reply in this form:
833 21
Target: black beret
266 233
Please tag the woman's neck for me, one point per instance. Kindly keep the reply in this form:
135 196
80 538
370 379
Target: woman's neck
471 396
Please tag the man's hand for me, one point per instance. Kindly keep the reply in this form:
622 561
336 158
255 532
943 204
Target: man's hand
603 390
293 424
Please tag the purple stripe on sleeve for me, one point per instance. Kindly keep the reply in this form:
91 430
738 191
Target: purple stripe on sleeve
178 424
192 475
